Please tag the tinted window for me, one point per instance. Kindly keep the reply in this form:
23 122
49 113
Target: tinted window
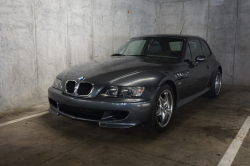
134 47
195 48
205 48
163 47
176 46
188 55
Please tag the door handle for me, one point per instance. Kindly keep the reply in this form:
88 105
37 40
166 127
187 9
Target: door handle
207 66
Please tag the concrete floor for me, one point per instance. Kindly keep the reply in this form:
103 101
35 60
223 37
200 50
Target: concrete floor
199 134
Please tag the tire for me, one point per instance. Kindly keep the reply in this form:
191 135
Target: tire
161 111
215 87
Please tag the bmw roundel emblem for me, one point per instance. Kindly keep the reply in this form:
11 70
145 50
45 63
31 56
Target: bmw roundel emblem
81 78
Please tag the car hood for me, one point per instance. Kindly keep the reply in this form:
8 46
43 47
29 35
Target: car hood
112 69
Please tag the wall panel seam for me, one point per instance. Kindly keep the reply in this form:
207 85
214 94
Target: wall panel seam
208 17
92 30
35 44
235 38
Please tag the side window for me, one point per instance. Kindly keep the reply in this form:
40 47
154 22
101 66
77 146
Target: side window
205 48
176 46
188 55
195 48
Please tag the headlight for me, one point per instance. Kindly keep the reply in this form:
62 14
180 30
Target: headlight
132 91
114 91
57 84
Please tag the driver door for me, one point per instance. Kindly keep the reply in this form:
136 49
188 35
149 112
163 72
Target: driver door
199 72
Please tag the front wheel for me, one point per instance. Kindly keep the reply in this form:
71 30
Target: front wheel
162 110
216 86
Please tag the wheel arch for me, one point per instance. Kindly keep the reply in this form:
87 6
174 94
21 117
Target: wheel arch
220 68
172 85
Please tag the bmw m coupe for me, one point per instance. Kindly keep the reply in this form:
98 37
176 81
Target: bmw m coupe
142 83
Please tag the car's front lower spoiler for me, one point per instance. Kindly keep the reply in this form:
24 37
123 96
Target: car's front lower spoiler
116 125
101 124
110 124
138 112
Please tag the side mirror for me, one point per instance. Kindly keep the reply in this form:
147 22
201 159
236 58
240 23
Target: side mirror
200 58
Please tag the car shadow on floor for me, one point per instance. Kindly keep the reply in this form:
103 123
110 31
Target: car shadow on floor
195 117
64 126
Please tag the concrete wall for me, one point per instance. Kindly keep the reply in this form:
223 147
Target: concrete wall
40 38
223 23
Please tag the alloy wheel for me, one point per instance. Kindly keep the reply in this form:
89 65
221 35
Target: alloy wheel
164 108
217 83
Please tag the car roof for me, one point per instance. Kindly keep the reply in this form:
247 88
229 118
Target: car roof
170 35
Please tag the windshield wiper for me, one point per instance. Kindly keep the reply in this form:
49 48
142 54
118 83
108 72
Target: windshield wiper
139 55
117 55
129 55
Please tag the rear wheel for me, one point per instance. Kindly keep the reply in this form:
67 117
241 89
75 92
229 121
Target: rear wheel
216 86
162 110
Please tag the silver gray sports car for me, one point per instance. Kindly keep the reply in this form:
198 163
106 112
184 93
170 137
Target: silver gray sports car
142 83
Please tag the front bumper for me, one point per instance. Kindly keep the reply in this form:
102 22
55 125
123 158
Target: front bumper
131 112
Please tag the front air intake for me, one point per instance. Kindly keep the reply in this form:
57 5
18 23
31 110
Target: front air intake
84 89
70 86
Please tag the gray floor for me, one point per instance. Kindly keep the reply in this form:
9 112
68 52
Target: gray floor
199 134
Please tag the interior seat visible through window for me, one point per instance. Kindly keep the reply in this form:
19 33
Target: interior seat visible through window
154 48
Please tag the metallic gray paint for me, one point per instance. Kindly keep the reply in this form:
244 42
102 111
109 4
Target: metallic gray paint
136 108
150 72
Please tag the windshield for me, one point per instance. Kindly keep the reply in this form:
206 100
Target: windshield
165 47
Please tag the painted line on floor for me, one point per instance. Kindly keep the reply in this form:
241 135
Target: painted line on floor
233 149
23 118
